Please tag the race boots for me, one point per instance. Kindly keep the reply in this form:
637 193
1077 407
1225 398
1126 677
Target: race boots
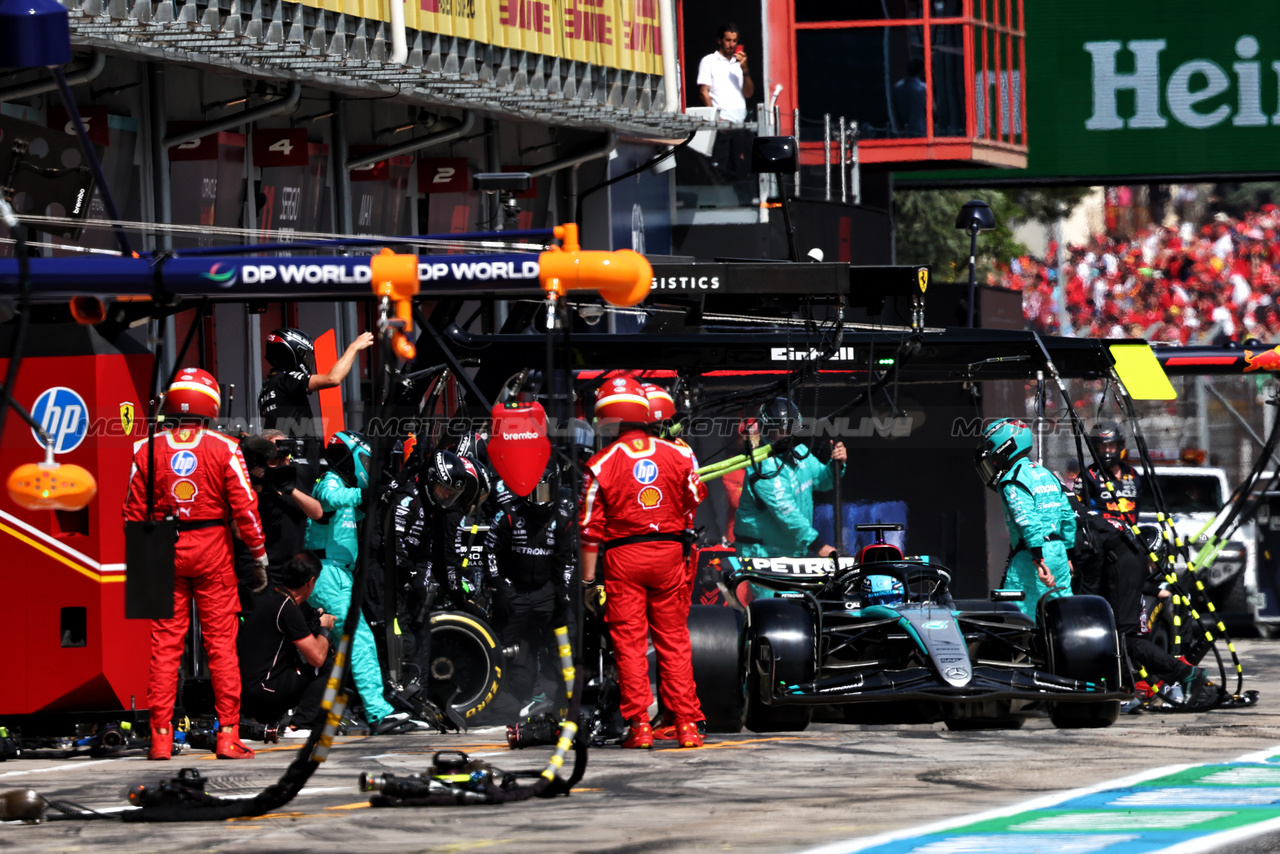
669 731
640 736
688 735
1197 690
230 746
161 743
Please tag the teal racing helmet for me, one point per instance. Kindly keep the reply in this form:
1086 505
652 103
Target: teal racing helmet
1001 445
349 455
882 590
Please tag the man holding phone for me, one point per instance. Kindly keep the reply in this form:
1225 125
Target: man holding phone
724 81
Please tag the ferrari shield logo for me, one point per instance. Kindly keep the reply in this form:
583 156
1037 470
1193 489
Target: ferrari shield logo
126 417
922 276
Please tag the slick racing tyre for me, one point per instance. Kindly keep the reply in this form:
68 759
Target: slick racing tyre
466 662
1082 642
780 646
716 637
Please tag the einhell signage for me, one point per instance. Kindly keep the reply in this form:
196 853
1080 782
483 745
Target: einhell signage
1120 91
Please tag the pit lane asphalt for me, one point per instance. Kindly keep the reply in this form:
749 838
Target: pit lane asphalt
744 792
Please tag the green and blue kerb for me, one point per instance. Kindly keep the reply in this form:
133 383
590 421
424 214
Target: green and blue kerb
1200 804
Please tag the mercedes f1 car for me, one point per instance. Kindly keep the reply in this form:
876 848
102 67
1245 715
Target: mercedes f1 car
879 639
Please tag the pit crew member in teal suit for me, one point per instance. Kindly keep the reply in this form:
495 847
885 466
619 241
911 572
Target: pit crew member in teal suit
1041 523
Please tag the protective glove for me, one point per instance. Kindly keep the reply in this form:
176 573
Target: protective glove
593 597
260 580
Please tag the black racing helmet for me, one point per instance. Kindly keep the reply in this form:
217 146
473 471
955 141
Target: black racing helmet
779 418
446 476
291 350
473 446
479 484
1108 438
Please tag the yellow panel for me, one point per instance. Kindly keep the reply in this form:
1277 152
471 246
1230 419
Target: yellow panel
590 30
640 36
466 19
615 33
531 25
1141 373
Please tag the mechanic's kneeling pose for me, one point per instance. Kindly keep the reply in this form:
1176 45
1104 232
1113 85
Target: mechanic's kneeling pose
200 478
1036 511
1118 566
775 512
638 495
335 536
531 560
282 650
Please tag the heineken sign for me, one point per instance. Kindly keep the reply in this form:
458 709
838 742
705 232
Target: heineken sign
1198 93
1134 91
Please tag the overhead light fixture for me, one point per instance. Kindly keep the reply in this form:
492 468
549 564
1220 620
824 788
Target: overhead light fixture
501 182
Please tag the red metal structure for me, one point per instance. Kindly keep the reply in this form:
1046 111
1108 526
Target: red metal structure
70 647
974 63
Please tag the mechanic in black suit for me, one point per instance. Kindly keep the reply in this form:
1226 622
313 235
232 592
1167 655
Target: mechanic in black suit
1118 565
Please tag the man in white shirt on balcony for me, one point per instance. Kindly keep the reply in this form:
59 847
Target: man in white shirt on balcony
724 80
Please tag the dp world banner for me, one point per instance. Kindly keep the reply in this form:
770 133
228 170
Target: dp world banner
1147 90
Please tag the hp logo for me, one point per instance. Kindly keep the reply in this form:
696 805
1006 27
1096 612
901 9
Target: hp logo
64 417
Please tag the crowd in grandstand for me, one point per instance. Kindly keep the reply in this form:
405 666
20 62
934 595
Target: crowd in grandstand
1172 284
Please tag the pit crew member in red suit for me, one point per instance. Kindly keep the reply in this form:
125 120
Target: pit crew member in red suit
201 479
638 495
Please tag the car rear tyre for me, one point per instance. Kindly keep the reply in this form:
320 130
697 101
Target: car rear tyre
466 655
782 646
1083 644
716 637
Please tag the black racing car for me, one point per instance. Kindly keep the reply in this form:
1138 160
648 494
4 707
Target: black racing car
879 639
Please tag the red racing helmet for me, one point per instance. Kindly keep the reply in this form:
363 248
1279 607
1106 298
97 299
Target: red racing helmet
193 394
622 399
661 406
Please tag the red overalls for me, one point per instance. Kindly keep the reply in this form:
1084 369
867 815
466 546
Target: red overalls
201 478
645 488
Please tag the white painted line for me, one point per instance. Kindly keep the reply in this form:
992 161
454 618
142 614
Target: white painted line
57 544
1260 755
1046 801
110 810
69 766
1217 840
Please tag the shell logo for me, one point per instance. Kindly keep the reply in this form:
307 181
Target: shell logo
185 491
649 497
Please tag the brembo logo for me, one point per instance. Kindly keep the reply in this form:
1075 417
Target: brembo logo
79 201
527 435
1195 93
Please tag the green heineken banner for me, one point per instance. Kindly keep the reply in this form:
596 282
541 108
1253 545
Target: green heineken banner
1142 91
